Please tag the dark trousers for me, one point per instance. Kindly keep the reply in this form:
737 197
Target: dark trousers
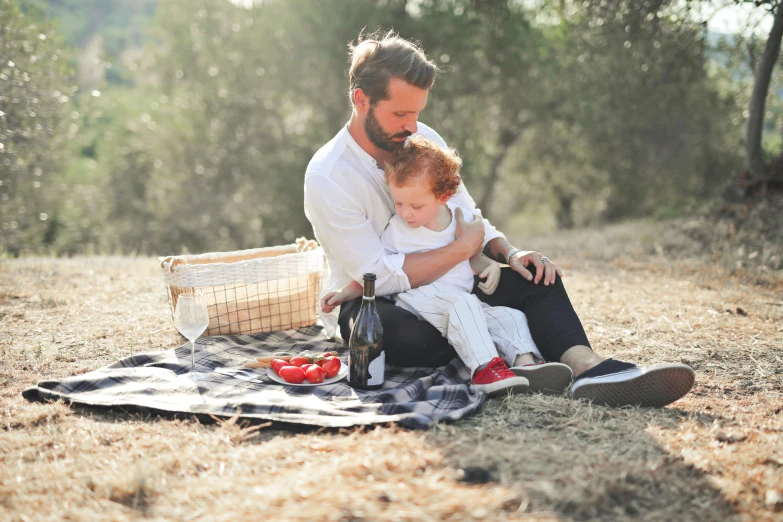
409 341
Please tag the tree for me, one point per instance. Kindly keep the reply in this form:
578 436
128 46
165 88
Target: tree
641 94
754 158
35 92
236 101
498 82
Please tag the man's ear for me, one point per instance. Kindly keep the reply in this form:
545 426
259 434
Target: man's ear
361 100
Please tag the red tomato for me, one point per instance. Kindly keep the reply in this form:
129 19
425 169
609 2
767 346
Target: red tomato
315 374
304 367
279 363
331 366
292 374
298 361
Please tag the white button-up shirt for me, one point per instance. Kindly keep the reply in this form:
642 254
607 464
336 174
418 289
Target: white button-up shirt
349 205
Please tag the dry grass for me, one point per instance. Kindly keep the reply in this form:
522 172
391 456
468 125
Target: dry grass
715 455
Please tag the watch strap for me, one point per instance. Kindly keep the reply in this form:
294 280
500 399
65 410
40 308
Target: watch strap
510 254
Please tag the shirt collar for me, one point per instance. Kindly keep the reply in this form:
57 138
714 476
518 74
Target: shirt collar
364 157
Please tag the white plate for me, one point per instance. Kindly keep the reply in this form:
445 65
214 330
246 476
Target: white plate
329 380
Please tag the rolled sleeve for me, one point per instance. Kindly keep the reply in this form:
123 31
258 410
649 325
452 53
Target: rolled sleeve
348 236
394 264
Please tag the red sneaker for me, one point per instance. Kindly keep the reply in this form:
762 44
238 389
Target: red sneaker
496 379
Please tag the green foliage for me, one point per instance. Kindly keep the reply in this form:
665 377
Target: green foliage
571 113
244 97
35 94
120 23
655 122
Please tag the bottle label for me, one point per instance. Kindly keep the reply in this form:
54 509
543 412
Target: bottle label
376 370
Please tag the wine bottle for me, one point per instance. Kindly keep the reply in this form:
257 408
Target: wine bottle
367 360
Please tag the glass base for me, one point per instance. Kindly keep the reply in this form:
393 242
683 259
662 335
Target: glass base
193 376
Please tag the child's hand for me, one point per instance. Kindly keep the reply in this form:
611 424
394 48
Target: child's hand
330 301
492 275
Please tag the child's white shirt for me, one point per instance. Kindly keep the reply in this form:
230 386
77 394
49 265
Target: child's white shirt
400 238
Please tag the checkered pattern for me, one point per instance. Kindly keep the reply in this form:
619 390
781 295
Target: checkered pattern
413 397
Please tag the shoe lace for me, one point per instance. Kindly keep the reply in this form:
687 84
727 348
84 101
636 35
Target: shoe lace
498 368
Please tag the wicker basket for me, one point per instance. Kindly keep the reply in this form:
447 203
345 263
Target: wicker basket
251 291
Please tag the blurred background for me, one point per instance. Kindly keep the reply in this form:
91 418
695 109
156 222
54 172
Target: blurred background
168 126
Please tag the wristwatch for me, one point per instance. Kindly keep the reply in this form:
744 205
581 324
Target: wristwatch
511 253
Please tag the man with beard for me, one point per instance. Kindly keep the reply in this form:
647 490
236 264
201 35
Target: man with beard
349 205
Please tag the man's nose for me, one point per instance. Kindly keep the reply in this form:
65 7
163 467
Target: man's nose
412 125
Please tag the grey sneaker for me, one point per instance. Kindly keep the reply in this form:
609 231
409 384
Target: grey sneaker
618 383
552 378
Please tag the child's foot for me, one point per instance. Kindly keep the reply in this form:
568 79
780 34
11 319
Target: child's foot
496 379
551 378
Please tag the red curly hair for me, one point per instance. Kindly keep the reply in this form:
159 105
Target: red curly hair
422 157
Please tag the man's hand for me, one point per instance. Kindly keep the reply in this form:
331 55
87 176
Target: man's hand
470 234
545 268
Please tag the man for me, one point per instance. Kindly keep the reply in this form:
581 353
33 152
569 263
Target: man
349 205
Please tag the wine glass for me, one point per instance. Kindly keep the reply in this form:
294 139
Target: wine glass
191 318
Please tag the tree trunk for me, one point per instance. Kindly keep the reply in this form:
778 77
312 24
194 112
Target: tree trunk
507 139
754 159
565 211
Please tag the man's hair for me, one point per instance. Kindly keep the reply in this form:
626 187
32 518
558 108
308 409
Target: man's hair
378 57
422 157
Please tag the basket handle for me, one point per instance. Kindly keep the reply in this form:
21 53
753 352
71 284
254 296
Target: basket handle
172 262
304 244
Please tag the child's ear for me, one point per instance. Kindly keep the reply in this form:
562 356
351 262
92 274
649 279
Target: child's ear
443 199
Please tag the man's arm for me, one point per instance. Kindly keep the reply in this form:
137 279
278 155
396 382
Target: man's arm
498 249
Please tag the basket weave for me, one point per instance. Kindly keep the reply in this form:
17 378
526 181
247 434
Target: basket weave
251 291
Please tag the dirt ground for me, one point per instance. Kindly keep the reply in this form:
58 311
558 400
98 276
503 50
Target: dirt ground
644 293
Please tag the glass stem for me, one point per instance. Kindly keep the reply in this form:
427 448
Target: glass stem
192 356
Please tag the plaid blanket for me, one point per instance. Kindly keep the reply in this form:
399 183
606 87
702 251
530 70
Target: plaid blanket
412 397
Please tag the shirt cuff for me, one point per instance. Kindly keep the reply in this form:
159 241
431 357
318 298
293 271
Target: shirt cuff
397 280
489 236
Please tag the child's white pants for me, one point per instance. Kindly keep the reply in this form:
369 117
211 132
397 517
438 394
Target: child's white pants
478 332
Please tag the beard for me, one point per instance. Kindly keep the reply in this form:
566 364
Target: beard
379 137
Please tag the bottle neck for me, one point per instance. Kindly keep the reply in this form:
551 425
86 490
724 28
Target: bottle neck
369 290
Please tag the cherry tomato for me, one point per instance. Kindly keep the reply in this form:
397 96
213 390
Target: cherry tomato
331 366
298 361
279 363
292 374
315 374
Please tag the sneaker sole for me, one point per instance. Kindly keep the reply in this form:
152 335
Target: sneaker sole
652 387
549 378
504 387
